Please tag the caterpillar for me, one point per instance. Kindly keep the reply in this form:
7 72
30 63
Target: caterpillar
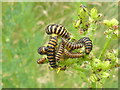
41 60
42 50
60 51
72 45
57 29
88 44
51 51
72 55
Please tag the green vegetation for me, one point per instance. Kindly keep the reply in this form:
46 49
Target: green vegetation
23 33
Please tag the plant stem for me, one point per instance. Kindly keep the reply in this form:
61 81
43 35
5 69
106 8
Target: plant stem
105 47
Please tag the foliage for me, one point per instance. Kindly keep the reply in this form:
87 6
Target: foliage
23 32
99 67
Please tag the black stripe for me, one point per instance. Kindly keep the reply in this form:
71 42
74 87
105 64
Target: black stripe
62 32
89 45
53 41
51 44
67 35
58 54
49 50
50 57
51 60
59 30
55 29
87 40
49 30
50 47
58 57
88 48
51 27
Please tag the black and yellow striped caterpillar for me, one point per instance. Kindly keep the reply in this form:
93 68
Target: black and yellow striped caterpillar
72 55
60 51
58 29
87 43
41 60
51 51
54 54
71 45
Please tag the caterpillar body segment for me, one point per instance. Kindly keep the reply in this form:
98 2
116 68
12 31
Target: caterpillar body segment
51 51
58 29
41 60
87 43
60 51
72 55
71 45
55 53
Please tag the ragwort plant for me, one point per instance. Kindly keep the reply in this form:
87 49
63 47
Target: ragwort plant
98 68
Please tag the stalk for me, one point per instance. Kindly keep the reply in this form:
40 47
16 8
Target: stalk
105 47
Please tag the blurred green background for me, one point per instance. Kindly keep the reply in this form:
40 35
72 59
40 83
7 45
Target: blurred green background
23 32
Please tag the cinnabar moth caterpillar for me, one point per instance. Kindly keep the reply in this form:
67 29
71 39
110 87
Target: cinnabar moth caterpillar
72 55
60 51
41 60
58 29
71 45
51 51
88 44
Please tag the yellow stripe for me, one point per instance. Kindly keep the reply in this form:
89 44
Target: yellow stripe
87 41
50 45
52 42
53 35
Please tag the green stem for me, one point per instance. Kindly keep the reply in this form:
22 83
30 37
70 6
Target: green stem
93 85
105 47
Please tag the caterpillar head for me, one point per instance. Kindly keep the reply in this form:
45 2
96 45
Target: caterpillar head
42 50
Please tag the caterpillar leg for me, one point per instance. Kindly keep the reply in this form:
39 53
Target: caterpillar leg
58 29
